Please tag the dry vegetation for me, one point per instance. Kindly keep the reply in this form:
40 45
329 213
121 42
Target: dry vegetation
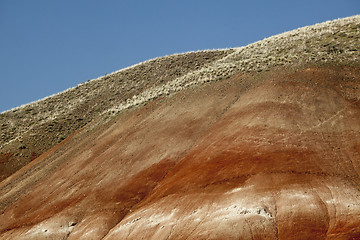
29 130
336 42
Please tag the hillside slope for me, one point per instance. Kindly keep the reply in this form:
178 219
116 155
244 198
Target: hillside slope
257 142
30 130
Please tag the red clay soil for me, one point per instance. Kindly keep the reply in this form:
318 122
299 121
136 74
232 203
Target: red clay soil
268 156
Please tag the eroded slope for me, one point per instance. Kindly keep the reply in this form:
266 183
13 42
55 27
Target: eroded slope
270 155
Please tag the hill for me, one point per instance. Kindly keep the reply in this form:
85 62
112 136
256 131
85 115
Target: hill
261 141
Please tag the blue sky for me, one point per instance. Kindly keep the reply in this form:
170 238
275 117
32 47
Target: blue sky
47 46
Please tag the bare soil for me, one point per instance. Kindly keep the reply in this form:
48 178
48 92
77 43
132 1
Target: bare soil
269 155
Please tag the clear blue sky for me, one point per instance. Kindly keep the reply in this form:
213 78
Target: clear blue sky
47 46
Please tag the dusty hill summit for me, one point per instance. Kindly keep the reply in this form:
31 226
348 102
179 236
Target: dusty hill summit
255 142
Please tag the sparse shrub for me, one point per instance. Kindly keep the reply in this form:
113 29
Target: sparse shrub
61 138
